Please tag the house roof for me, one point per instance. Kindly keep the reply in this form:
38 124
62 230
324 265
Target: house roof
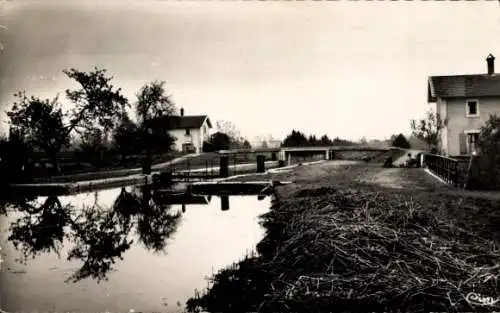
182 122
478 85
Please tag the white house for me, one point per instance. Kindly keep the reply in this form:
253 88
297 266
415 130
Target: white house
466 101
189 131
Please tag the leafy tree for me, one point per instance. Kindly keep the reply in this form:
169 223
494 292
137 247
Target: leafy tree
228 128
159 140
264 144
153 107
42 124
246 144
239 143
489 137
341 142
92 146
429 129
97 103
220 141
126 137
312 140
153 102
295 139
401 142
325 141
39 124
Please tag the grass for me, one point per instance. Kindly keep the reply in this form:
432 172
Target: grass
339 240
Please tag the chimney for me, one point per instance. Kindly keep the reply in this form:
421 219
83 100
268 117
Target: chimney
182 111
490 60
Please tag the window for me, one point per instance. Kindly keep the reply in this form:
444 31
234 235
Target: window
472 107
472 139
188 148
188 131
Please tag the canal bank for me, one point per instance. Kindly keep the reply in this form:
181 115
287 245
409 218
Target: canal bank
68 188
342 239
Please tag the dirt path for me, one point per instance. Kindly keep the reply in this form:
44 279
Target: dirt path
347 173
354 174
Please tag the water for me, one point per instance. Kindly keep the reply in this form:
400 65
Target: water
201 241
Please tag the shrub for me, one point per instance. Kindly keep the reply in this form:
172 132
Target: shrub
484 170
208 147
388 162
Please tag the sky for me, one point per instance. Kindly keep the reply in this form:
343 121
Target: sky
343 68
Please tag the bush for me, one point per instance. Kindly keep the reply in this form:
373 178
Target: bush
388 162
208 147
401 142
220 141
484 170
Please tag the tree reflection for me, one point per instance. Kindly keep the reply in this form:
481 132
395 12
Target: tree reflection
100 235
42 230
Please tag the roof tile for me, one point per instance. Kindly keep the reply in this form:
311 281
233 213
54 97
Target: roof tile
181 122
479 85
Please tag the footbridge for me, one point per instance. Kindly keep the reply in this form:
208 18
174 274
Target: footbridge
325 152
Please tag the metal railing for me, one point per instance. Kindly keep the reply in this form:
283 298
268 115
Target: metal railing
446 168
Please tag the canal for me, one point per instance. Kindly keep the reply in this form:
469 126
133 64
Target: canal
119 250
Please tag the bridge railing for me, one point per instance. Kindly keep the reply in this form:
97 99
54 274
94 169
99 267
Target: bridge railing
444 167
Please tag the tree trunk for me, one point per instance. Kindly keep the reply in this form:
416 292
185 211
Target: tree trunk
55 163
123 158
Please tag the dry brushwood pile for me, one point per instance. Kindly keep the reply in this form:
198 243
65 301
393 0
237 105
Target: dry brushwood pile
347 250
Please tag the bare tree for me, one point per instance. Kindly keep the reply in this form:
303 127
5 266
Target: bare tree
429 128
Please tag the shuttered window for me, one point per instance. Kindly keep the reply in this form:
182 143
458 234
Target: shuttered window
462 143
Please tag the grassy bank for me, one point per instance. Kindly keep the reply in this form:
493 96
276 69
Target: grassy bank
340 240
175 162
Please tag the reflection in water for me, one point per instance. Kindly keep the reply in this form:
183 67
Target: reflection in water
206 240
100 235
42 229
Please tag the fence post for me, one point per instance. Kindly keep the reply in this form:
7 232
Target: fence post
223 166
224 203
455 173
261 165
449 170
